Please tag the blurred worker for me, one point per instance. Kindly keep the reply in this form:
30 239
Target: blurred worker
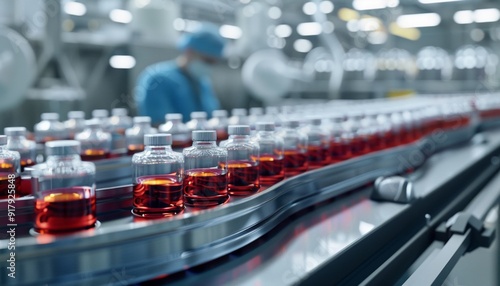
182 85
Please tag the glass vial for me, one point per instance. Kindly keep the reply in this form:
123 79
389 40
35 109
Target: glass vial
64 189
49 129
181 136
318 144
135 134
219 123
103 116
158 175
340 140
295 145
17 142
198 121
118 124
95 142
75 123
271 155
242 161
205 179
10 168
238 116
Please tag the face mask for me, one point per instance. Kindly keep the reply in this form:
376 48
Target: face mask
198 69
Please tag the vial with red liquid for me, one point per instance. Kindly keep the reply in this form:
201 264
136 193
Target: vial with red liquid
273 115
10 168
158 175
219 123
255 115
340 140
103 116
17 142
95 142
75 123
205 175
271 158
198 121
318 145
181 136
238 116
49 129
135 134
242 161
360 135
295 146
64 190
119 122
374 131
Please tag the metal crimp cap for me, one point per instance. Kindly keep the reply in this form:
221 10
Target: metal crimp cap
76 115
219 113
265 126
100 113
3 139
160 139
239 112
204 135
315 121
173 116
14 131
93 123
62 148
50 116
291 123
238 130
119 112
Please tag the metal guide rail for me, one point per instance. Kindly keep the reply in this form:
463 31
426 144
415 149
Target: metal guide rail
147 249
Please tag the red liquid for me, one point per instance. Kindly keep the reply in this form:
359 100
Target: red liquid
177 144
295 162
359 146
134 148
242 178
65 210
47 139
27 163
272 170
318 156
222 135
94 154
376 142
159 195
340 151
205 187
392 139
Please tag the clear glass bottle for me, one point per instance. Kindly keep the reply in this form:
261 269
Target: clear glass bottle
205 179
256 115
118 124
359 139
158 175
75 123
103 116
295 145
135 134
181 136
242 161
271 156
64 189
198 121
219 123
17 142
238 116
95 142
318 147
49 129
10 169
273 115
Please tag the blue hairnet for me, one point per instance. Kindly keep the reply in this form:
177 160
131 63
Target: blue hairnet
205 40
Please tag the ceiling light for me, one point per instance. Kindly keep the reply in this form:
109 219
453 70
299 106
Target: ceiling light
486 15
361 5
326 7
346 14
412 34
274 13
230 32
302 45
309 29
309 8
419 20
464 17
122 62
120 16
283 31
75 8
436 1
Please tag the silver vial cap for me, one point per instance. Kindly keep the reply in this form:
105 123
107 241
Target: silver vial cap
161 139
62 148
265 126
50 116
238 130
204 135
173 116
14 131
76 115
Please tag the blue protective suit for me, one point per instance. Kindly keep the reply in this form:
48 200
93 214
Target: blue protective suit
164 88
